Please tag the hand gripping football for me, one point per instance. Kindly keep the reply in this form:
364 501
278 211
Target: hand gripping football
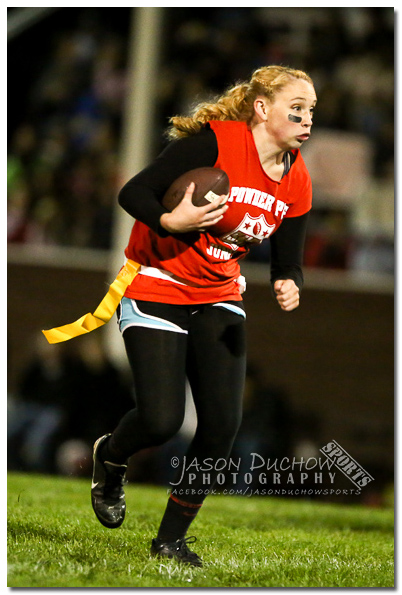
210 182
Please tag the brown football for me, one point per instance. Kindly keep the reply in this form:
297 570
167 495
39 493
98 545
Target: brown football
209 183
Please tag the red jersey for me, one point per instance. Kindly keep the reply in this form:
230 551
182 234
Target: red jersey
203 267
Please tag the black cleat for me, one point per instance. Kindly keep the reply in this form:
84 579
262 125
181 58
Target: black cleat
176 550
107 494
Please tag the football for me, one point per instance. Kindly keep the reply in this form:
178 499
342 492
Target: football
209 183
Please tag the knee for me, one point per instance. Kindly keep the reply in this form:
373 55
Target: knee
161 429
228 431
221 433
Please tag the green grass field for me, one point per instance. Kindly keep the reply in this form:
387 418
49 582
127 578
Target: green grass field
54 540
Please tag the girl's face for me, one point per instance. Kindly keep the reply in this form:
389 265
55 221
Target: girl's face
290 116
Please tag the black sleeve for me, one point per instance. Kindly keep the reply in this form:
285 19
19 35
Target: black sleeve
287 246
141 196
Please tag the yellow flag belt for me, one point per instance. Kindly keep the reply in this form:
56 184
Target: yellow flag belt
102 314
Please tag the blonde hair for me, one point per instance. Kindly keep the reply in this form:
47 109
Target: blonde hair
238 101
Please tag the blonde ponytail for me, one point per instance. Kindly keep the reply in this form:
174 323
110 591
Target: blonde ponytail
238 102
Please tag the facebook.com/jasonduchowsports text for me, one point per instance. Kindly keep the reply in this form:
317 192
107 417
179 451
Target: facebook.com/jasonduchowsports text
313 476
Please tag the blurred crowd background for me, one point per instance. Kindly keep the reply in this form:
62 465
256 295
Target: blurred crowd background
68 81
68 85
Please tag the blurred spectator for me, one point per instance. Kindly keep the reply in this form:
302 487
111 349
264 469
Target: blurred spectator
104 393
62 163
38 412
328 244
58 401
375 254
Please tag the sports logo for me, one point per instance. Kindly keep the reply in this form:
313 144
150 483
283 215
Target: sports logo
252 230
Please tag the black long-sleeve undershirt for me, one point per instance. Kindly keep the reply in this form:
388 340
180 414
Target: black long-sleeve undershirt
141 198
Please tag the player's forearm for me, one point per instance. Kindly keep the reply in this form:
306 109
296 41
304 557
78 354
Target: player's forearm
287 246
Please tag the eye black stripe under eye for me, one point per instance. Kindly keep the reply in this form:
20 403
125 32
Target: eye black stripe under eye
293 118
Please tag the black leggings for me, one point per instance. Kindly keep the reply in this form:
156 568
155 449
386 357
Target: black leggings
212 356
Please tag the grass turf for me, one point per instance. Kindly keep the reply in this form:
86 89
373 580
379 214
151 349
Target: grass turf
54 540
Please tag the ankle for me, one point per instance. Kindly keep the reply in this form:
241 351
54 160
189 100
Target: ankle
109 453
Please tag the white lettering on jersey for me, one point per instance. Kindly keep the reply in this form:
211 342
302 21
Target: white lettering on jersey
281 207
219 252
252 196
240 194
268 202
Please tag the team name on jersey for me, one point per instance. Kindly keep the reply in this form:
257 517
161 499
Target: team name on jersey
257 198
221 252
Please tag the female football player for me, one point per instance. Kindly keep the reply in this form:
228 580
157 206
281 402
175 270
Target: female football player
183 314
